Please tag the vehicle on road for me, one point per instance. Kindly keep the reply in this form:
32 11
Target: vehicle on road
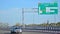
16 29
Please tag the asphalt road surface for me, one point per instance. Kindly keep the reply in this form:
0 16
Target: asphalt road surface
29 33
8 32
4 32
35 33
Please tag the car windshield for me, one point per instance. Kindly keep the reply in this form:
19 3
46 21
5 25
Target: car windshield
15 27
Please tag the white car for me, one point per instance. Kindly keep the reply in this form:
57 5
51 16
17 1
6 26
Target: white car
16 29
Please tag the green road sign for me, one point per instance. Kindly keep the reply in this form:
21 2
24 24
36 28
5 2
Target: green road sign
47 8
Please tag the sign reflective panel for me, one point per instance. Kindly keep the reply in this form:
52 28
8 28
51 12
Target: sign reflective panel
48 8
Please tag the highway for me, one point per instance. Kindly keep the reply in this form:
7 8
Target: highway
26 32
35 33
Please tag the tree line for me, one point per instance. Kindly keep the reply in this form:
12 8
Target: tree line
19 24
44 24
